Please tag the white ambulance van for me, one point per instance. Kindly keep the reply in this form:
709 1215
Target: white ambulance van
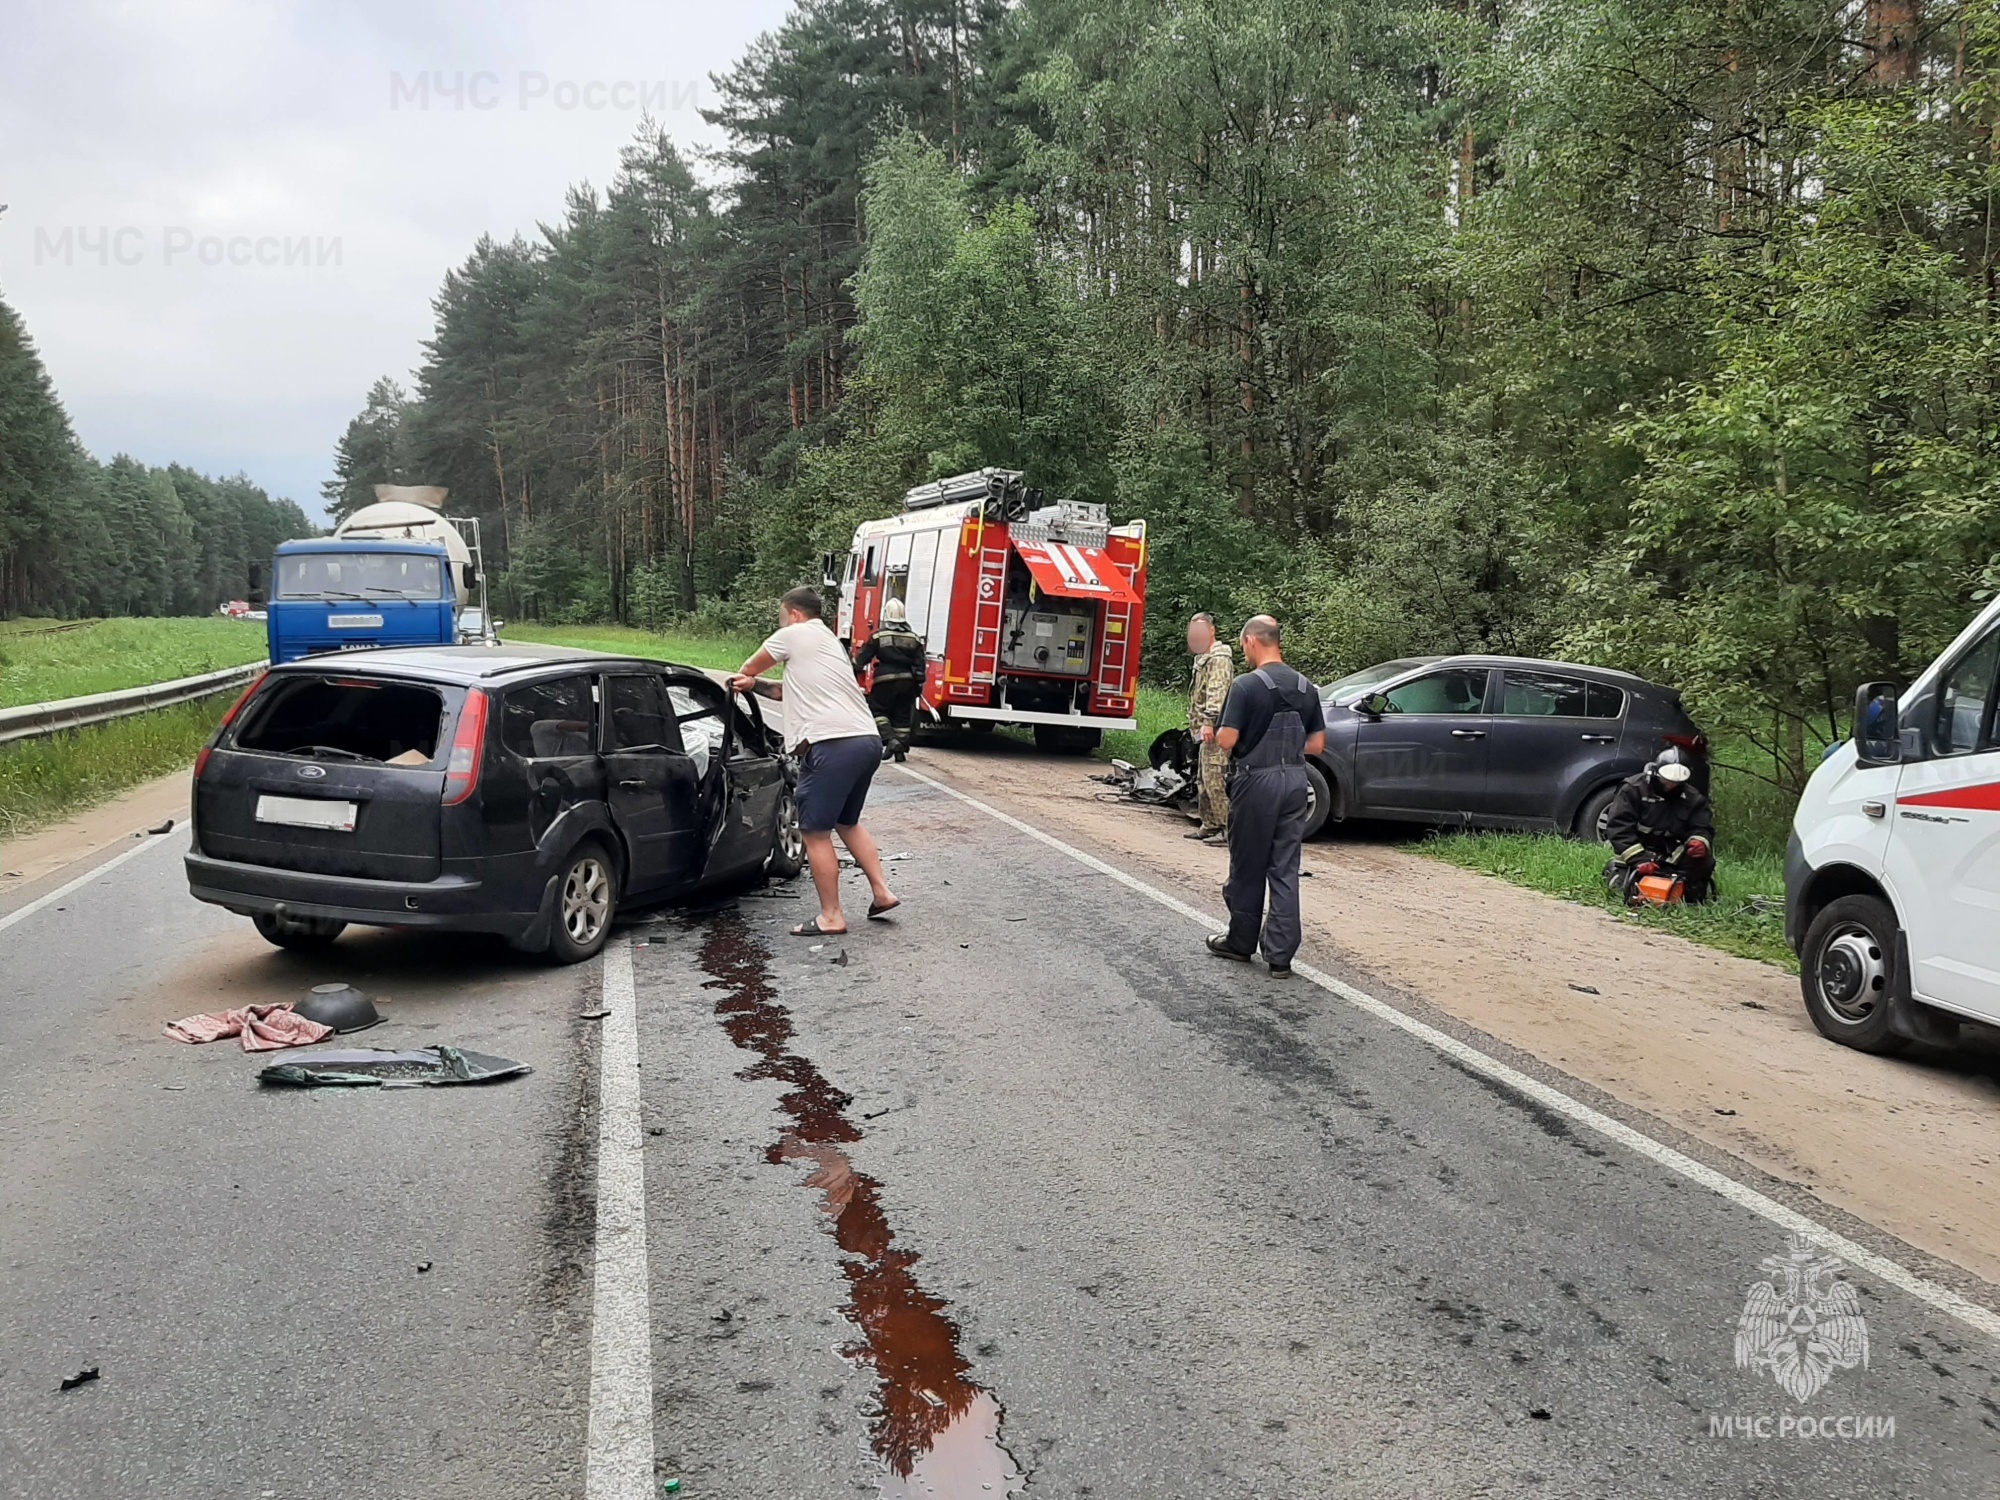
1892 875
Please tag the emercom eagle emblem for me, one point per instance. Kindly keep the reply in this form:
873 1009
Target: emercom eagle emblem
1802 1324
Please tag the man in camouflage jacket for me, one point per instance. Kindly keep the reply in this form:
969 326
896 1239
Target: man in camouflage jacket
1214 670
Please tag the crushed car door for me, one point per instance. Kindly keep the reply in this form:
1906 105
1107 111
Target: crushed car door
756 781
701 714
650 782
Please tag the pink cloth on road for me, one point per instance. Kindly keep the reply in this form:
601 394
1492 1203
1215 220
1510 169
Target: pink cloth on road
264 1028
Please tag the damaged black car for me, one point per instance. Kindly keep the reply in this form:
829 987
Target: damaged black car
527 791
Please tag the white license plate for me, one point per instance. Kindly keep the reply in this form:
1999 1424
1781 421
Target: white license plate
354 622
306 812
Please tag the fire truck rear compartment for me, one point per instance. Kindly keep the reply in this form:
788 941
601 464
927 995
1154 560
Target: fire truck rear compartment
1048 635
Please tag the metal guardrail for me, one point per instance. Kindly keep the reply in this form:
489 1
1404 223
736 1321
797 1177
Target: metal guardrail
39 720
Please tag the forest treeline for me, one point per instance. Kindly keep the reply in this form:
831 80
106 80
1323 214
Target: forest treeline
1657 333
79 537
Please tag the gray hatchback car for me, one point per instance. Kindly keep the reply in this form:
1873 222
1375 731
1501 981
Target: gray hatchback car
1491 742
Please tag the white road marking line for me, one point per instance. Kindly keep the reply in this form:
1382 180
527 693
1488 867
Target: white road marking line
619 1460
1861 1257
148 842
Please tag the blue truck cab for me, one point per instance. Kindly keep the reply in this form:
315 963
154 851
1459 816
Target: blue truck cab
333 594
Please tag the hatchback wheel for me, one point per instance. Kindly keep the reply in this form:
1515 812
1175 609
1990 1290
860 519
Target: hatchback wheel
1319 799
788 841
586 902
1846 970
1590 816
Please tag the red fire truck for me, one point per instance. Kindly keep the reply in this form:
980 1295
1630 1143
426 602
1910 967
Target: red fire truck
1032 611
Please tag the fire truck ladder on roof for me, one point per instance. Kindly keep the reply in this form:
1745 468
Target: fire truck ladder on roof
989 610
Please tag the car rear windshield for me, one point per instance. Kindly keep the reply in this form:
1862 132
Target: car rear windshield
360 575
345 718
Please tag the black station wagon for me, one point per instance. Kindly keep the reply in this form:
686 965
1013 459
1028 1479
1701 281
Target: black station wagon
528 791
1491 742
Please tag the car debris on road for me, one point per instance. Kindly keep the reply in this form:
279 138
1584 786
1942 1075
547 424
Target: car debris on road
377 1067
1152 786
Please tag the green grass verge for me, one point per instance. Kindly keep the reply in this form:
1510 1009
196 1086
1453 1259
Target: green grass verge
43 781
1746 918
39 664
714 653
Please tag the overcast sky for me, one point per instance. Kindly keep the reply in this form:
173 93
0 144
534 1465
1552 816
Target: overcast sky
260 199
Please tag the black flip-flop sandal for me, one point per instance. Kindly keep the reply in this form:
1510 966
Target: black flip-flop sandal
813 929
876 912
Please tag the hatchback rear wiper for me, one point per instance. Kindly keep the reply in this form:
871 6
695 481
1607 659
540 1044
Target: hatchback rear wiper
334 752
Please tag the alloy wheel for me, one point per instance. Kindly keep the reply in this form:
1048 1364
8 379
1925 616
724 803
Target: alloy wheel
586 901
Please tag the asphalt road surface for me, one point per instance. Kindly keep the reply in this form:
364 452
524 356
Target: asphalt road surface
1018 1193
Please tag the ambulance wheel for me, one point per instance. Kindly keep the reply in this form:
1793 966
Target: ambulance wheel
1847 972
1063 739
1319 799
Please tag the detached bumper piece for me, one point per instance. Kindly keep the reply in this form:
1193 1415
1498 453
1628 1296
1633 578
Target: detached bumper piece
377 1068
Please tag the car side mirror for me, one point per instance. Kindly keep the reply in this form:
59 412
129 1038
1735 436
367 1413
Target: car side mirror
1878 735
1375 705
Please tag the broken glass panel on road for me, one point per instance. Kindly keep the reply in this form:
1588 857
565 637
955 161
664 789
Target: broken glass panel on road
376 1067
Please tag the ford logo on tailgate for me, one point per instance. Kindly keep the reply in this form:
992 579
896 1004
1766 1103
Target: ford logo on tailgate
312 773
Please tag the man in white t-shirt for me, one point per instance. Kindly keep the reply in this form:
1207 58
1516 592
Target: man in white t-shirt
830 727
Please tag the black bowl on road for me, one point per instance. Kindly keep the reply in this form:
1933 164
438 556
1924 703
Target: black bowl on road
340 1006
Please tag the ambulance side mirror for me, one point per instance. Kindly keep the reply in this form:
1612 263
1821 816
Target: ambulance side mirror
1878 740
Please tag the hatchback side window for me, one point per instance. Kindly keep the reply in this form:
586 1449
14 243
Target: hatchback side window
1544 696
1604 702
1965 699
1457 691
541 720
638 716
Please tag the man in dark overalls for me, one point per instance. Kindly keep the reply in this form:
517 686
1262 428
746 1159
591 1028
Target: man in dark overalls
898 656
1271 722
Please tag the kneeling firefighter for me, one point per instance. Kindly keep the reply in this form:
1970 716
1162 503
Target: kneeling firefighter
898 656
1659 824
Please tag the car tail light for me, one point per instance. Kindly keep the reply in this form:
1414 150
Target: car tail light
468 748
201 756
1694 744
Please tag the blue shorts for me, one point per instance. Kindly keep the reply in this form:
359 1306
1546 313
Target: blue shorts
833 781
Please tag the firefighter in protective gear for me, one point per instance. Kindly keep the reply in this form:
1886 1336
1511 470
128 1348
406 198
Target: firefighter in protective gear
898 655
1271 723
1214 670
1659 824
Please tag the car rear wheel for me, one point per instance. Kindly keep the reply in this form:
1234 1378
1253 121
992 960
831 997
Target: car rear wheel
586 903
300 934
1589 826
1319 799
1846 970
788 842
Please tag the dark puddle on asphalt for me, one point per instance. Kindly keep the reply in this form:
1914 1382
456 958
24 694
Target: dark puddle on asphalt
936 1431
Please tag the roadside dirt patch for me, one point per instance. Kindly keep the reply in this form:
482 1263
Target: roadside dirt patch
1716 1045
49 851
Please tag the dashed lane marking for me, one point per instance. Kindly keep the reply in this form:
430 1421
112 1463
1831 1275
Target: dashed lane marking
1859 1256
619 1460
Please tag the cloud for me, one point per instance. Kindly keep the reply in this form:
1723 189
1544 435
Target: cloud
226 220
